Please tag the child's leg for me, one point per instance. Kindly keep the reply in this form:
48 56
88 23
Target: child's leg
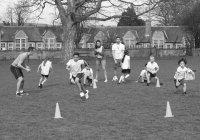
148 78
84 79
78 83
184 88
44 80
103 63
121 78
97 69
127 75
41 79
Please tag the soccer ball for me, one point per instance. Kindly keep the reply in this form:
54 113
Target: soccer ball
82 94
115 78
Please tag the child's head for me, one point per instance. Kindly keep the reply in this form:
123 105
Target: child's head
152 59
118 40
98 44
76 56
182 62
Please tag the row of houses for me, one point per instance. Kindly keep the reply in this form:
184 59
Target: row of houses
135 37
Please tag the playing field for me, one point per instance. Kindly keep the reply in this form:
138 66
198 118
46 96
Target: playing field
130 111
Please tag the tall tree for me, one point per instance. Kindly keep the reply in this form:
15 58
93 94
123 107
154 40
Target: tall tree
73 12
129 18
192 21
170 12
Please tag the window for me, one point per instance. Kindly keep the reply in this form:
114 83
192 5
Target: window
39 46
155 42
178 46
58 46
161 43
10 46
49 43
3 46
20 44
129 42
31 45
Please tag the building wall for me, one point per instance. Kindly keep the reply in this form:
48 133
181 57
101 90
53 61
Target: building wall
6 55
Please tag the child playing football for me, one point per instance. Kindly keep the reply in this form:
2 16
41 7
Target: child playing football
152 69
143 75
75 66
125 65
181 75
88 76
45 67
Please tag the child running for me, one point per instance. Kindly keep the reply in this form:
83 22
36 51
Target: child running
143 75
152 69
182 74
45 67
75 66
125 65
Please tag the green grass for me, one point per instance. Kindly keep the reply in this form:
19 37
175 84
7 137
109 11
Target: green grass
130 111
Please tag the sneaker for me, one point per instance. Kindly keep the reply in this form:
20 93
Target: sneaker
96 80
18 94
106 81
24 93
185 94
86 94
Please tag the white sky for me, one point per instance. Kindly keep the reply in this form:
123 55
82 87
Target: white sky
48 13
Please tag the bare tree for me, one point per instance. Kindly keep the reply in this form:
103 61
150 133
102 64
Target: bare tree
18 14
170 12
73 13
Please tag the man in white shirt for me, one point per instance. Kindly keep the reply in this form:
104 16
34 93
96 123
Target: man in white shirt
152 69
75 66
118 53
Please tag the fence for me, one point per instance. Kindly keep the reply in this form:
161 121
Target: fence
142 52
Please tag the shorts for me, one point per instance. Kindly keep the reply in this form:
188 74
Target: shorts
79 76
17 72
118 64
152 75
45 75
89 80
126 71
181 81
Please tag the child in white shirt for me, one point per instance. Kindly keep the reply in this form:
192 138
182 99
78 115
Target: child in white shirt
152 69
125 65
88 76
45 67
181 75
143 75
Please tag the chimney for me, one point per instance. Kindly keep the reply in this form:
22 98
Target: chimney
148 28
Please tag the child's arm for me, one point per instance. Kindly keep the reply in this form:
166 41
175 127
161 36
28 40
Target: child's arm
51 69
39 68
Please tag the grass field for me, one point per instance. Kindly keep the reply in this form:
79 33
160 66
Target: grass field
130 111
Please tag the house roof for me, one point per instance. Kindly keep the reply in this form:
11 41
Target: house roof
173 34
34 33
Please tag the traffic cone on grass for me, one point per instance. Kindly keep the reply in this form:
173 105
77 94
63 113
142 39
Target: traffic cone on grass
57 112
168 111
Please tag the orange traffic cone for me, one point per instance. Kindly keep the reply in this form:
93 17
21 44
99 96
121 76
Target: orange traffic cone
168 111
57 112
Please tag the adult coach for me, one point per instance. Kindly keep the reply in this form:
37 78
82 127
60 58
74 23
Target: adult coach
118 53
16 68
